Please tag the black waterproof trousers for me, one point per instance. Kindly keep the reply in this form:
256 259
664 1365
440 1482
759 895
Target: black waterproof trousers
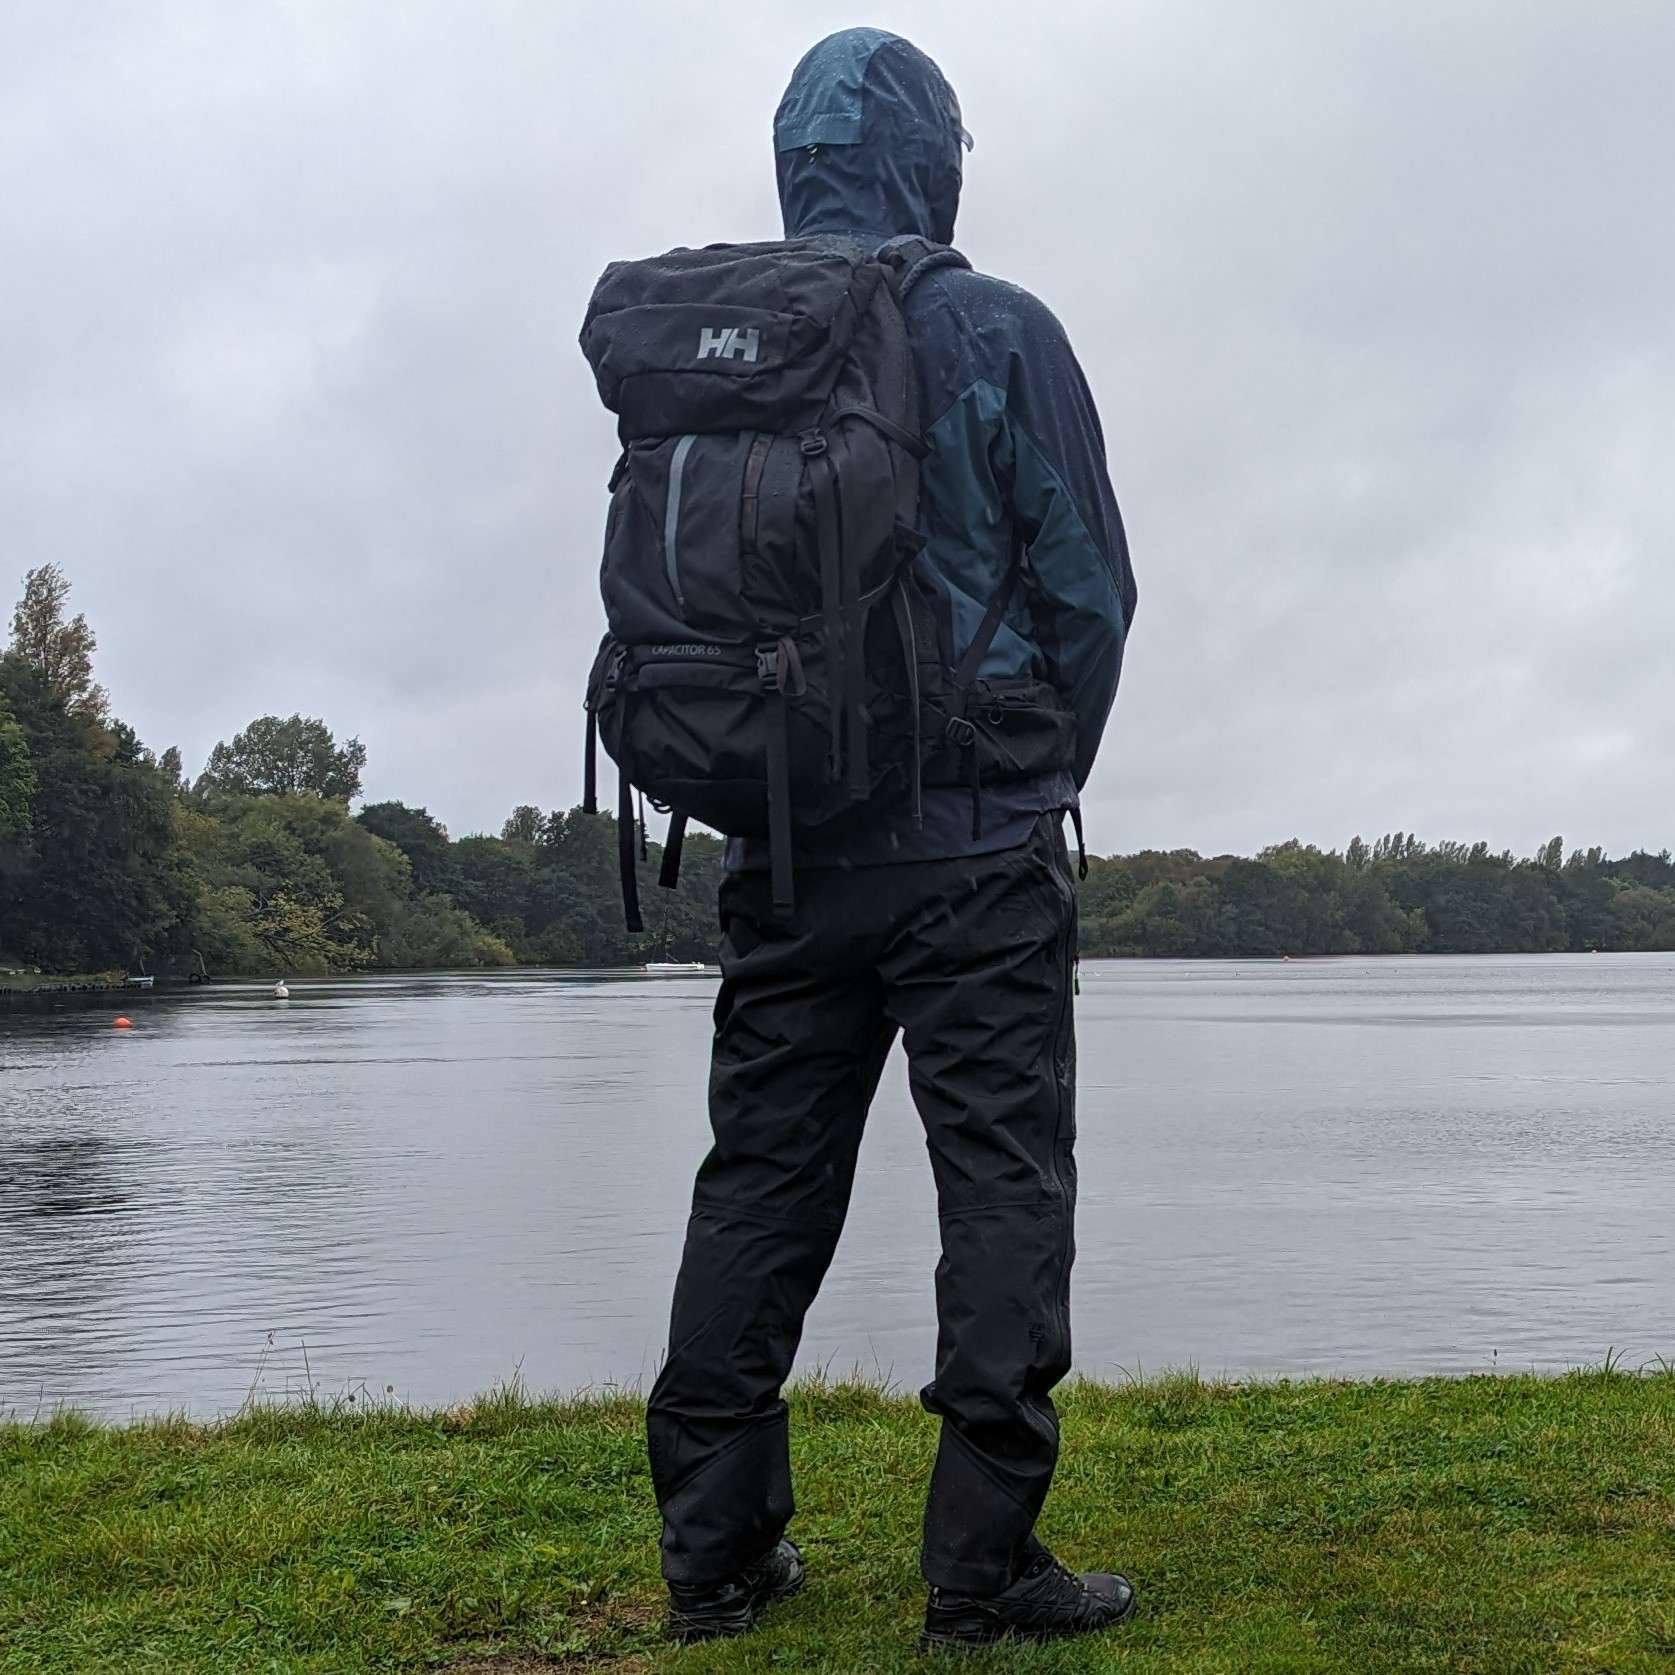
971 959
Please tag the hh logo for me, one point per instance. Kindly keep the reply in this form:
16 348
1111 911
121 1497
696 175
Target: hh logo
727 343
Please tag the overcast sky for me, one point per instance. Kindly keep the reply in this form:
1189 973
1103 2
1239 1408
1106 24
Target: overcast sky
1378 302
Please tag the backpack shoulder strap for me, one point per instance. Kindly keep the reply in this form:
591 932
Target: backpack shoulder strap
911 257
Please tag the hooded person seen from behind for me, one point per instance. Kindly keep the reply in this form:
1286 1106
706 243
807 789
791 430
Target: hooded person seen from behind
868 592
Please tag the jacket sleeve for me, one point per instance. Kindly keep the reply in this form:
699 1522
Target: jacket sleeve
1065 511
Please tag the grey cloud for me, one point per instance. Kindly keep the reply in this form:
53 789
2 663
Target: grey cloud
1377 303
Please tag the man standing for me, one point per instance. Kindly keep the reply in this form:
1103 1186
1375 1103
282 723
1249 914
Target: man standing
956 929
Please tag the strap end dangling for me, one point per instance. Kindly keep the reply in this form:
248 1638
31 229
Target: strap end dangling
590 765
1081 843
626 858
668 875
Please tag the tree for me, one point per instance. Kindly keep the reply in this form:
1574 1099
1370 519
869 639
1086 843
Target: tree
1371 921
96 881
169 766
495 881
525 825
61 650
274 756
422 839
1656 872
17 776
431 933
1642 919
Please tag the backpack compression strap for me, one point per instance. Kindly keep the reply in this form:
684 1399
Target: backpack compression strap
626 846
780 670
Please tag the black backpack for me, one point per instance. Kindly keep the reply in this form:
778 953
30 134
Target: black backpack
769 662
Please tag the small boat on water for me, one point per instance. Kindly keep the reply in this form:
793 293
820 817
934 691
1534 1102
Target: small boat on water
675 968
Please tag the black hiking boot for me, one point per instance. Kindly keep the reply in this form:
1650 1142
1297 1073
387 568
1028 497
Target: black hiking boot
718 1609
1047 1602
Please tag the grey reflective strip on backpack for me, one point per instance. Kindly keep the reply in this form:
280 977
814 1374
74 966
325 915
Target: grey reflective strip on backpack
671 518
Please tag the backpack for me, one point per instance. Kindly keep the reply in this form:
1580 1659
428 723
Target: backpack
769 661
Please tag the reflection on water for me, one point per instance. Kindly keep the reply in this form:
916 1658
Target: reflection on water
434 1183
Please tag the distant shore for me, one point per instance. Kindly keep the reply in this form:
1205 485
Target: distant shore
45 987
21 988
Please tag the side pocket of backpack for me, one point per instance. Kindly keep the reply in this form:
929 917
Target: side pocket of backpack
672 561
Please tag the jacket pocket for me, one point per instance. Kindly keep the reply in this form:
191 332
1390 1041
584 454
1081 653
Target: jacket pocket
1017 730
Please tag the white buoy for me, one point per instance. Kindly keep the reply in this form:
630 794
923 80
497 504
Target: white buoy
280 992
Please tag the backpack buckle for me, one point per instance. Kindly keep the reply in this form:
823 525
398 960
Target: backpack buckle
960 732
779 667
811 443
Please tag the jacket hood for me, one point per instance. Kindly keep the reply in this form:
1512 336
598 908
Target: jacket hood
868 139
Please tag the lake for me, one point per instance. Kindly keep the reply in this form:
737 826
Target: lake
419 1186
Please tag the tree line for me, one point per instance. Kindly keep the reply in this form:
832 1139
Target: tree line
111 858
1396 896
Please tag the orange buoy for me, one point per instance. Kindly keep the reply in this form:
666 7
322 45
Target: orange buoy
124 1023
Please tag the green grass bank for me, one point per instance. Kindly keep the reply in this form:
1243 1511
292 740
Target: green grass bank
1513 1524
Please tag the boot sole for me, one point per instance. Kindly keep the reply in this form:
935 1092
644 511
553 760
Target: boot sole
688 1631
932 1640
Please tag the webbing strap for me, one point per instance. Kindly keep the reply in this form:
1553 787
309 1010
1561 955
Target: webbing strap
899 434
910 657
827 538
626 858
590 765
1081 842
855 671
972 662
779 802
668 875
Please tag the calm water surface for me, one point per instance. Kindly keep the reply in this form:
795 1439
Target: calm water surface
425 1185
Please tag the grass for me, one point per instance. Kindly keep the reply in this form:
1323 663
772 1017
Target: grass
1478 1525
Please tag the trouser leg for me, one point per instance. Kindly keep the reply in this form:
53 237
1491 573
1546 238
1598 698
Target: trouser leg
980 982
800 1041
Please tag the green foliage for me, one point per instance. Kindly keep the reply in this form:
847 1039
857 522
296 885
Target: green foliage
421 839
291 883
525 824
293 879
296 754
1397 897
92 879
431 932
1641 918
60 650
17 775
556 900
1443 1526
107 861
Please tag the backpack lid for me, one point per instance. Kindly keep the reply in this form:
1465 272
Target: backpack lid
727 337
